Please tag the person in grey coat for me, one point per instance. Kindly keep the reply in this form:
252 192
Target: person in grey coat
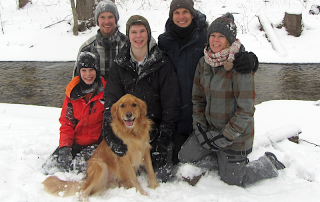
223 113
183 41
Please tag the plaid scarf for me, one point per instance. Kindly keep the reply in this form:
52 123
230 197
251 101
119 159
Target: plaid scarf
224 57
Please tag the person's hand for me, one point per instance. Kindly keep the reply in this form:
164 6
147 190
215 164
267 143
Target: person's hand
211 139
159 151
158 154
245 62
115 143
64 158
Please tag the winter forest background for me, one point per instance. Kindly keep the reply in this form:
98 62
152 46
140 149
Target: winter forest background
43 31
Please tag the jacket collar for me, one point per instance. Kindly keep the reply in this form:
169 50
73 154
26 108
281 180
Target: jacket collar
74 86
123 59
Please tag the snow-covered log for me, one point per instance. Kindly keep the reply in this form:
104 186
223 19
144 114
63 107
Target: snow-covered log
273 38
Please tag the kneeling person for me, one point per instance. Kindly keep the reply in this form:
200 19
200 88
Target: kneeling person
81 118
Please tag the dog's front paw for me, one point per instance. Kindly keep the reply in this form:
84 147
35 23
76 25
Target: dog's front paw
153 185
143 192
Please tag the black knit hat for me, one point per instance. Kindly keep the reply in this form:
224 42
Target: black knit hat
88 60
106 5
224 25
136 19
188 4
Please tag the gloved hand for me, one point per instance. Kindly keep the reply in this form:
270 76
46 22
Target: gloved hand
211 139
159 149
245 62
64 158
115 143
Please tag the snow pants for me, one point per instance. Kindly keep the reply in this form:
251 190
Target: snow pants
233 166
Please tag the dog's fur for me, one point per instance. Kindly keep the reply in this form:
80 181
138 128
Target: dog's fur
105 169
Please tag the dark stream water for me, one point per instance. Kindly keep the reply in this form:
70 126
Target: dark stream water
44 83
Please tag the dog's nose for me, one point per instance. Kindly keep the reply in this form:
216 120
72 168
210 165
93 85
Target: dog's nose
128 114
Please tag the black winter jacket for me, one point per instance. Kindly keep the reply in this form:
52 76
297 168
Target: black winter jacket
185 60
157 85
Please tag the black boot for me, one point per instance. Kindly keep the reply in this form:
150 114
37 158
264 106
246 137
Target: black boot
274 161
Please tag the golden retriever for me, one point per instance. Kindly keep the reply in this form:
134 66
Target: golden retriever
105 169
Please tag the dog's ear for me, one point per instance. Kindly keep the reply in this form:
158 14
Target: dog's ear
143 107
114 110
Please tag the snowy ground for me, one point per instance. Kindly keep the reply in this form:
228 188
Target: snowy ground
29 134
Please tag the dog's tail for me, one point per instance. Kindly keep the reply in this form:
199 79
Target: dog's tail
53 185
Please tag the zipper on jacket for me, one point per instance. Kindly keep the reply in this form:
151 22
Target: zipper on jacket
91 106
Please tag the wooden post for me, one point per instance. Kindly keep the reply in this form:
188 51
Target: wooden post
292 23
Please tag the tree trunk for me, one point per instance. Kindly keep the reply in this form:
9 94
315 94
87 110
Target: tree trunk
75 18
83 14
22 3
292 23
85 11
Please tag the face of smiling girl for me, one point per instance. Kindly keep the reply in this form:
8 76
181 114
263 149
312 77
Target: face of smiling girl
218 42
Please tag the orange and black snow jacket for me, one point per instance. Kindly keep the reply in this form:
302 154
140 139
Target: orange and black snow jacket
81 122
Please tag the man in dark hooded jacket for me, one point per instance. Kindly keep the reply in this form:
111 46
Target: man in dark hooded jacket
151 78
183 41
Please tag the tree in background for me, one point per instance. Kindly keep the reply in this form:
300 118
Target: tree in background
22 3
83 14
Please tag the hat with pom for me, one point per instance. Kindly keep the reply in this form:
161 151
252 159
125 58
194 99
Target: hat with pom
188 4
224 25
106 6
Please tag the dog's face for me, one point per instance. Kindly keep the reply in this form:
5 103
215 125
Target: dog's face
128 109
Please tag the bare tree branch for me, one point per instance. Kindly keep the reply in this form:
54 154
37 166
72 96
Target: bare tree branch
1 23
57 22
310 143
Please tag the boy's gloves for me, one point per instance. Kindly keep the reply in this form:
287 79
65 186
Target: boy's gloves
64 158
211 139
245 62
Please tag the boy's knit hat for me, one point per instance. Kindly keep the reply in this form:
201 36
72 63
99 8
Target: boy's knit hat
224 25
188 4
88 60
138 19
106 5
